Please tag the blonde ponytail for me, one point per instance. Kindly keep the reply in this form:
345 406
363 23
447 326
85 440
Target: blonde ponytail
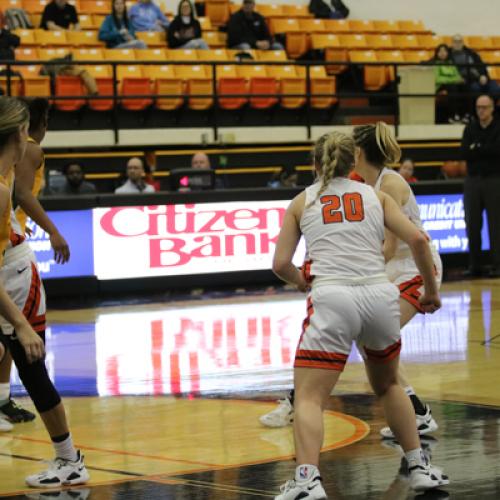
13 114
386 142
378 144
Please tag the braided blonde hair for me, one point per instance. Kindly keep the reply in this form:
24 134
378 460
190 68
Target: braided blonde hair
13 115
333 156
378 143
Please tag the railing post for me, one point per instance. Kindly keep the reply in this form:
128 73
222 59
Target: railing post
216 101
308 99
115 103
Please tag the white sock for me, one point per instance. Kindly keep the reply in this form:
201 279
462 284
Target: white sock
4 393
65 449
415 457
305 472
409 391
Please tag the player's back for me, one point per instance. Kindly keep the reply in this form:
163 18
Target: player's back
344 230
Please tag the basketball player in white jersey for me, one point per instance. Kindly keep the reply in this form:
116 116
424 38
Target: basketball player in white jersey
377 147
351 300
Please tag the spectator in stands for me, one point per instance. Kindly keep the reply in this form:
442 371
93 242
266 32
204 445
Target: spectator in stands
185 30
449 81
406 170
247 29
475 77
135 183
287 177
8 42
117 31
59 15
200 160
481 149
147 16
321 10
75 183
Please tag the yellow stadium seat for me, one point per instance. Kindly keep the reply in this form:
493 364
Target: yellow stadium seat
88 54
227 71
200 87
390 56
405 42
417 56
361 26
479 42
322 86
36 19
312 25
495 40
173 87
160 71
27 37
100 70
214 38
212 55
32 71
337 25
16 88
284 25
494 72
217 11
85 21
151 54
119 54
292 92
386 26
296 10
379 41
374 77
321 41
128 71
98 19
251 71
46 54
32 6
412 26
488 56
43 37
279 72
11 4
88 37
152 38
36 86
350 42
429 42
182 55
270 10
190 71
95 7
205 23
271 55
26 54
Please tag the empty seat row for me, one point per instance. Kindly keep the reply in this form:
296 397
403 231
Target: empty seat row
37 6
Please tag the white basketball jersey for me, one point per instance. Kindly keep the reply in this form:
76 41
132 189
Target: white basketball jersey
410 209
344 231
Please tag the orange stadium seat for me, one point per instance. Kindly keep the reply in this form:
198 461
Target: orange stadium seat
26 54
387 26
11 4
27 37
417 56
350 42
479 42
390 56
67 86
379 41
16 86
361 26
214 38
272 55
105 89
296 10
33 6
412 26
337 25
151 54
119 54
322 87
43 37
289 84
405 42
429 42
136 86
36 86
200 87
263 85
152 38
46 53
168 86
95 7
88 54
311 25
284 25
232 85
217 11
297 44
374 77
78 38
321 41
205 23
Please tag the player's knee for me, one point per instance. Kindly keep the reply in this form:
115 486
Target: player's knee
40 388
381 387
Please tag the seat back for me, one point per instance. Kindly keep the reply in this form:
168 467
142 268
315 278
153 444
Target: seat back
136 86
232 85
66 86
263 85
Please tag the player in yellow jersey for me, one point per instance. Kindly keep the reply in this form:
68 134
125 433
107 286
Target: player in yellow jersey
20 276
29 175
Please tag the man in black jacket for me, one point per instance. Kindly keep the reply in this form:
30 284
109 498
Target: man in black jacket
476 75
8 42
481 150
247 29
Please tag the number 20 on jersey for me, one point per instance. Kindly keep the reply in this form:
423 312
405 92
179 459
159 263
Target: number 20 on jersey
338 209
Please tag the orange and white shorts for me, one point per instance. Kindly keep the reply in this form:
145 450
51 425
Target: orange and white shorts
21 280
338 315
404 274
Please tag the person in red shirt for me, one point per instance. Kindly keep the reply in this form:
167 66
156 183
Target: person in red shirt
406 170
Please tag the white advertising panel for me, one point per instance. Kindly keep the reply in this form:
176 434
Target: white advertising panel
185 239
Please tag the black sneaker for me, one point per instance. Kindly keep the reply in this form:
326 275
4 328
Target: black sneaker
15 413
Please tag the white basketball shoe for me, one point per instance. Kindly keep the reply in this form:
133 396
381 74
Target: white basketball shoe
425 425
280 416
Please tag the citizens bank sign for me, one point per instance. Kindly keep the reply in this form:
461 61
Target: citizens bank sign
165 240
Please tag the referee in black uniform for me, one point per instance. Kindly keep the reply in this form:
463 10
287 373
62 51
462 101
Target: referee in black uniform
481 150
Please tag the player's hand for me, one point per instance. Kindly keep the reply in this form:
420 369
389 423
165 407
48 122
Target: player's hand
31 342
60 247
430 302
303 285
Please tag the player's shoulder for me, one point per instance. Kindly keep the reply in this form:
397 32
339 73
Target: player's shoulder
34 151
393 181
